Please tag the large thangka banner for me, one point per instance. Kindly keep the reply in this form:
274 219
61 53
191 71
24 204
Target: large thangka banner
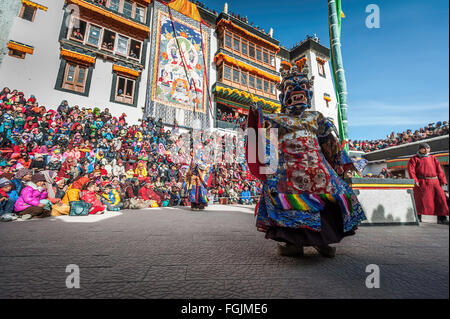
179 79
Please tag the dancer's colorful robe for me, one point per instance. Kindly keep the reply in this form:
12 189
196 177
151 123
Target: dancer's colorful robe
306 189
198 182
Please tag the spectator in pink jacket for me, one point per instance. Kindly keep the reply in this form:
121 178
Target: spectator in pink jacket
32 199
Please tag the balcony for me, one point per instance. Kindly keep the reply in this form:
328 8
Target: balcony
226 125
132 22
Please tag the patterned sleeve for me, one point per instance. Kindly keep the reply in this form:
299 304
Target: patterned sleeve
331 146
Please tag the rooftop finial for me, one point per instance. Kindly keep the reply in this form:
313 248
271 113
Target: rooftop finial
225 8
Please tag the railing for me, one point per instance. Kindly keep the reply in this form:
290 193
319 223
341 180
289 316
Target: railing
227 125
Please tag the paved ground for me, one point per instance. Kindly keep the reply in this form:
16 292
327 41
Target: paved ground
176 253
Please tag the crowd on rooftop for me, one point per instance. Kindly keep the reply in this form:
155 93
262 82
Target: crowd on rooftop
432 130
53 158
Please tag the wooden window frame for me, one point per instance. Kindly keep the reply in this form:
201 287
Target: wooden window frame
108 5
220 72
244 75
22 11
258 49
135 13
323 68
140 49
244 45
262 84
231 72
103 33
226 33
133 9
126 99
252 45
236 70
72 24
19 55
272 58
73 85
117 46
254 81
237 39
100 36
115 51
266 85
266 53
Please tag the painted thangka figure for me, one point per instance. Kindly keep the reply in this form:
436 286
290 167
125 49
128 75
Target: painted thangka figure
198 180
304 201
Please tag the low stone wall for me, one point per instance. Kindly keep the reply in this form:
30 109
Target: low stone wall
386 201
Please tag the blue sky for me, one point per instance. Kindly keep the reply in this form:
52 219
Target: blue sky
397 75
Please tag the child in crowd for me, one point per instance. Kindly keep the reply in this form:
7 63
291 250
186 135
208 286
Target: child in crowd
246 197
6 204
89 195
111 198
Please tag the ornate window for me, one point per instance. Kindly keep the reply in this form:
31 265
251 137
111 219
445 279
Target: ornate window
94 35
244 47
75 77
272 88
135 49
321 66
266 57
28 12
228 40
236 43
122 45
125 90
78 30
140 14
236 75
109 40
251 81
259 84
258 54
114 5
16 54
227 72
128 9
244 78
251 50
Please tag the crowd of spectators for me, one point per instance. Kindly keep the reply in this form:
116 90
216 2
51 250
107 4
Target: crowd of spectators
239 120
51 160
408 136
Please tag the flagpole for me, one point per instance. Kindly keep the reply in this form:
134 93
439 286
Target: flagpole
334 15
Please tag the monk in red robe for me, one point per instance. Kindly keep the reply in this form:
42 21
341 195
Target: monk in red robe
429 178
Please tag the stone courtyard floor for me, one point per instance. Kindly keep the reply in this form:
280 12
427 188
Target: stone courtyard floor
177 253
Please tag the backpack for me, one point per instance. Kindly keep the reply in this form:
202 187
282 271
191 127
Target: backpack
79 208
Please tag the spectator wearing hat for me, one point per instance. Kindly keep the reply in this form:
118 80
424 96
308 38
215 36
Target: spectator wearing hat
22 177
429 178
6 202
31 199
